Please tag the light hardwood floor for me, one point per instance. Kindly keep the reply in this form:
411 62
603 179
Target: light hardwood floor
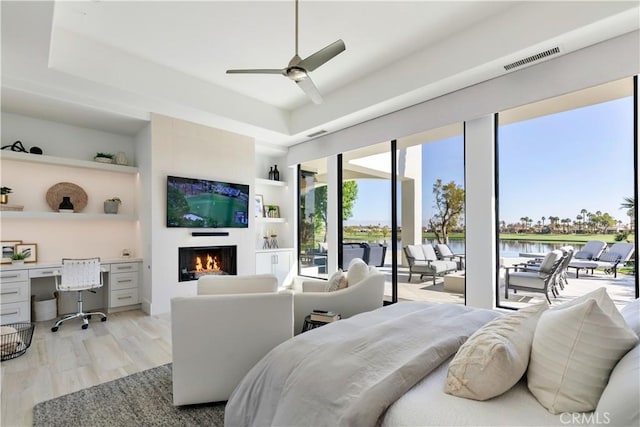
72 359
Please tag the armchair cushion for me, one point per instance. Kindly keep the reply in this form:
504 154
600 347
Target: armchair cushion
415 251
358 270
218 285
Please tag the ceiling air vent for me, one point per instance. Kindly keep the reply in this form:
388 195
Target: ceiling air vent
314 134
532 58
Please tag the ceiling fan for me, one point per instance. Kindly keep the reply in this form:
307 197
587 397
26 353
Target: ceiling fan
298 69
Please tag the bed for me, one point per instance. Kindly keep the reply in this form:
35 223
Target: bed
375 369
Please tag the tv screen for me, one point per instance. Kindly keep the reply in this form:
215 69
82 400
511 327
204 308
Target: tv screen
198 203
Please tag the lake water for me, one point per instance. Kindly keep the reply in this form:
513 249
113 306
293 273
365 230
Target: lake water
512 248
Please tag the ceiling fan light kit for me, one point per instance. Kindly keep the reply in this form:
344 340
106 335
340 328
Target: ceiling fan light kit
298 69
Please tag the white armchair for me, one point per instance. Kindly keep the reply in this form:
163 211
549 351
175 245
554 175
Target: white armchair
219 335
364 295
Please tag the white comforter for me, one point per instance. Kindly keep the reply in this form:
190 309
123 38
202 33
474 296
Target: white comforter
349 372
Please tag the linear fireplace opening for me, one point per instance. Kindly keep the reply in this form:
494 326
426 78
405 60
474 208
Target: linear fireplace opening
195 262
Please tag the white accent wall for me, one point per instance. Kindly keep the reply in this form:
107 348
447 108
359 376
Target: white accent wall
182 148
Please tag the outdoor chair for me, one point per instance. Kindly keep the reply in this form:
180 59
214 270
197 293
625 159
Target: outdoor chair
561 277
619 254
423 260
535 281
444 252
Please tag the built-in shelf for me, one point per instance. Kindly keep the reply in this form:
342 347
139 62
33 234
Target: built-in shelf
271 220
262 181
60 161
258 251
74 216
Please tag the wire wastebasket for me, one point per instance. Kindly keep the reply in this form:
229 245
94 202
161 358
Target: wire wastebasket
15 339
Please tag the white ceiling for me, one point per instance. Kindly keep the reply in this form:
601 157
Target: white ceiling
110 64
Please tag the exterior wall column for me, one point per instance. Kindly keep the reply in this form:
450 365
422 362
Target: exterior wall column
480 212
410 176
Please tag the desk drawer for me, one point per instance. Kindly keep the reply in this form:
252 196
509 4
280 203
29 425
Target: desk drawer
124 297
124 280
124 267
10 276
14 312
44 272
14 292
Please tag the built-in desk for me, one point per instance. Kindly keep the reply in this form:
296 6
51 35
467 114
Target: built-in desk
19 282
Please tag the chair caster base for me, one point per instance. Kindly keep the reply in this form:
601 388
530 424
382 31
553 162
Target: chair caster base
54 329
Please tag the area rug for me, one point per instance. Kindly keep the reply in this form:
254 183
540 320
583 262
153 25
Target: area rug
141 399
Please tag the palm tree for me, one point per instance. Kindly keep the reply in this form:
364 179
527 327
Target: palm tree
629 204
543 219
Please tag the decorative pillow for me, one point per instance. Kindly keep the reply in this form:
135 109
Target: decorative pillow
575 348
358 270
605 303
335 281
610 257
616 402
495 357
631 315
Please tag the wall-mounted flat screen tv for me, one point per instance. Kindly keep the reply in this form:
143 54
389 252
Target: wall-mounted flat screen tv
199 203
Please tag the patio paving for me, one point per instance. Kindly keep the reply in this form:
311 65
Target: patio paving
621 289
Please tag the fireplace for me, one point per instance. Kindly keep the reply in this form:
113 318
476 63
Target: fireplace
195 262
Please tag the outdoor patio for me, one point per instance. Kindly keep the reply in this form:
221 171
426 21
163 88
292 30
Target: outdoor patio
620 289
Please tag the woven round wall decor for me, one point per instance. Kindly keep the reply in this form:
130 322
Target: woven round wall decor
74 192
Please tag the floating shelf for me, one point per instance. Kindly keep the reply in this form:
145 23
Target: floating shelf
262 181
74 216
271 220
60 161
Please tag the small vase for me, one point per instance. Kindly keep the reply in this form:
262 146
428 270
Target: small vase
276 173
121 159
17 261
65 205
4 199
110 207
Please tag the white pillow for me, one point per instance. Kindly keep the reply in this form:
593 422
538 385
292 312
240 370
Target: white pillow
334 282
358 270
574 351
631 315
604 301
619 400
495 357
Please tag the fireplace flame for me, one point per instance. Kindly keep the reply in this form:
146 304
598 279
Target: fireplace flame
212 264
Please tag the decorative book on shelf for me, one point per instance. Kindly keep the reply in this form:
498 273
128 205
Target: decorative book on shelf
324 316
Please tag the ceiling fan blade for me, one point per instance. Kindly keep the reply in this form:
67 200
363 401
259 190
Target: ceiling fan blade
312 62
258 71
310 89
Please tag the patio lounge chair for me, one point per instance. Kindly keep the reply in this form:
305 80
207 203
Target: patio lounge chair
423 260
535 281
615 257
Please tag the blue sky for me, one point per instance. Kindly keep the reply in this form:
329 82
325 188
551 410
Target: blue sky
555 165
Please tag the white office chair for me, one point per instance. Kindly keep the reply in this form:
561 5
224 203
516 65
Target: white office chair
79 275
